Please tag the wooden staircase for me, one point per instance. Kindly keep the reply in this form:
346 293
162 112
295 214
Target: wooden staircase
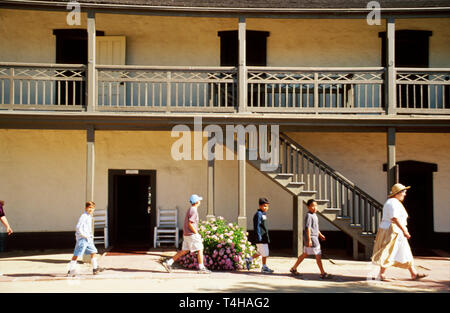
339 201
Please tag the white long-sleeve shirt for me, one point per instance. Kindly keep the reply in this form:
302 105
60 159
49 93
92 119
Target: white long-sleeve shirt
84 227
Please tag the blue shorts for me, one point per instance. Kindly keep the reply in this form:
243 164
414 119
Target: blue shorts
84 246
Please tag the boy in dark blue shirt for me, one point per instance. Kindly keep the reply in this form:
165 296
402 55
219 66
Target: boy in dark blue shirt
262 235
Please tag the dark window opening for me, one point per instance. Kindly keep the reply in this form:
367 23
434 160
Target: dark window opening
71 48
256 55
411 50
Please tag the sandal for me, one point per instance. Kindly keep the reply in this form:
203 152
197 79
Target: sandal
294 272
382 278
419 276
326 276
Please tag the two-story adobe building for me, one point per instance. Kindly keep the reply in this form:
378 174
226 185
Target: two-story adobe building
90 92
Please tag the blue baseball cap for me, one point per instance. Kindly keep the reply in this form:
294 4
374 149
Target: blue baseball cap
195 198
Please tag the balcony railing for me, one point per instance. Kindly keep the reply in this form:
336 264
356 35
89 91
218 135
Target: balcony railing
423 90
42 86
326 90
215 89
150 88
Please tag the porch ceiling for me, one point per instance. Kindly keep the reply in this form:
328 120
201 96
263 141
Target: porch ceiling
164 121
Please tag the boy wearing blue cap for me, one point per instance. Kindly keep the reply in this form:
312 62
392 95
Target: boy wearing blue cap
192 240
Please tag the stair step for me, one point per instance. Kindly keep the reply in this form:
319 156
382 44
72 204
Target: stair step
276 174
342 217
308 192
296 184
295 187
331 210
282 179
321 201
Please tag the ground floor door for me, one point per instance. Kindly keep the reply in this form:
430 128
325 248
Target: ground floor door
132 200
419 203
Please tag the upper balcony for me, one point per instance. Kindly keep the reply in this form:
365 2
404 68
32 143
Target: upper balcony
55 87
123 62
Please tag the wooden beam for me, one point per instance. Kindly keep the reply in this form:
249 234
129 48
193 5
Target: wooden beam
391 98
210 191
91 75
90 163
242 75
391 168
355 249
242 217
298 225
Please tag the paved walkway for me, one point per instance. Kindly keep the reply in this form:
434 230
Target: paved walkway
45 271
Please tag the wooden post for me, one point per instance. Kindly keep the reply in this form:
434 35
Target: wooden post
391 168
391 98
168 92
90 170
316 92
91 77
242 66
90 163
242 218
12 101
210 192
298 225
355 249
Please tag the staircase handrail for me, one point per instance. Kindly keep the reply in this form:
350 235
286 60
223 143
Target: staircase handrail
377 205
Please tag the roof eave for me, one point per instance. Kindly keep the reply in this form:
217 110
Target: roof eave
278 11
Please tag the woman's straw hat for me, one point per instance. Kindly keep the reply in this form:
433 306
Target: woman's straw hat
398 188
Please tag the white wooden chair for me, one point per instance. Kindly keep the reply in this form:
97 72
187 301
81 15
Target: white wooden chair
101 223
166 230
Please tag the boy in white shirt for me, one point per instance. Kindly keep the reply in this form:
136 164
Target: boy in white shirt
85 240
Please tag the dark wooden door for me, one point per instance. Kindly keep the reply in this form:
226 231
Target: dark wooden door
133 200
419 202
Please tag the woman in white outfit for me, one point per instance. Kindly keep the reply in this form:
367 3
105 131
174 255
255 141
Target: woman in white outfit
391 244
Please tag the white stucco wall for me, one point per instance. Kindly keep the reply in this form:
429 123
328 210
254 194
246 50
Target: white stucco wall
43 178
160 40
43 173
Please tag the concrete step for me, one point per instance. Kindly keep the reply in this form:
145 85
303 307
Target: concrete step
331 210
295 187
282 179
307 193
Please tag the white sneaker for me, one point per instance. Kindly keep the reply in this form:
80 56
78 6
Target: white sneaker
204 271
167 266
71 273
